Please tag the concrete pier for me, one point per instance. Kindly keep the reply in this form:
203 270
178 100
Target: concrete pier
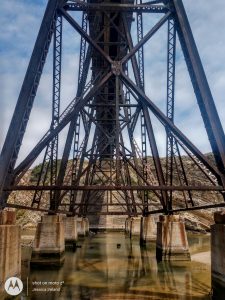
86 221
49 242
148 230
128 226
218 255
10 249
135 227
171 242
81 226
70 227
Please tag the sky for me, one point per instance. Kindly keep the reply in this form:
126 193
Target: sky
21 20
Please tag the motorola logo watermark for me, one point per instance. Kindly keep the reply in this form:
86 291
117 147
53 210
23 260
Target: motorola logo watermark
13 286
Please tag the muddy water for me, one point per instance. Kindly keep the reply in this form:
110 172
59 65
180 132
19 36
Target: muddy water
109 266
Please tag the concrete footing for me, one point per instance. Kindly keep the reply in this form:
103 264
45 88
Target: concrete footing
218 255
10 249
135 227
148 230
71 235
49 242
171 242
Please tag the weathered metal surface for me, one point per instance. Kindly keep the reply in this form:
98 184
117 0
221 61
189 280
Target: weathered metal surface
114 188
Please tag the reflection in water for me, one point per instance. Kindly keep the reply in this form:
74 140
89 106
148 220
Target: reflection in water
109 266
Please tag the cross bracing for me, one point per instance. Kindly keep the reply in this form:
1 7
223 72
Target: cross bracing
106 166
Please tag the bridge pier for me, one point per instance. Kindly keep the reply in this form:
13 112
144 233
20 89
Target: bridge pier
86 221
49 243
148 230
10 249
70 227
218 255
128 226
135 227
171 242
82 226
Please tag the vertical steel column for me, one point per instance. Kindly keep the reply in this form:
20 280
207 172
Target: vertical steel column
75 159
171 57
82 77
83 48
142 85
57 62
27 94
49 164
117 130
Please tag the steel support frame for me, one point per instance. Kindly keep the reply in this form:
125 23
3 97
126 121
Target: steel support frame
27 94
50 160
204 97
139 78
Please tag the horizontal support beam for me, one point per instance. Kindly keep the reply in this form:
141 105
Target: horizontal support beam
200 207
114 188
116 213
105 204
66 212
110 104
189 208
121 7
18 206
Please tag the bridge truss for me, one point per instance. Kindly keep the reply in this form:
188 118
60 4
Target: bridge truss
102 165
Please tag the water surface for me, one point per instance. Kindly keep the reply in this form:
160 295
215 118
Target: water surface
109 266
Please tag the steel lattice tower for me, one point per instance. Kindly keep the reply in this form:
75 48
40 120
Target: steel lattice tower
107 168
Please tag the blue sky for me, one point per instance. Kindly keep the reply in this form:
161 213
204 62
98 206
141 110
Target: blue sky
21 21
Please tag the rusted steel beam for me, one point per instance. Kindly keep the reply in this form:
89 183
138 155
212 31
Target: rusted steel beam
205 100
86 36
121 7
199 207
113 188
71 114
18 206
146 38
210 206
116 213
25 101
167 122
